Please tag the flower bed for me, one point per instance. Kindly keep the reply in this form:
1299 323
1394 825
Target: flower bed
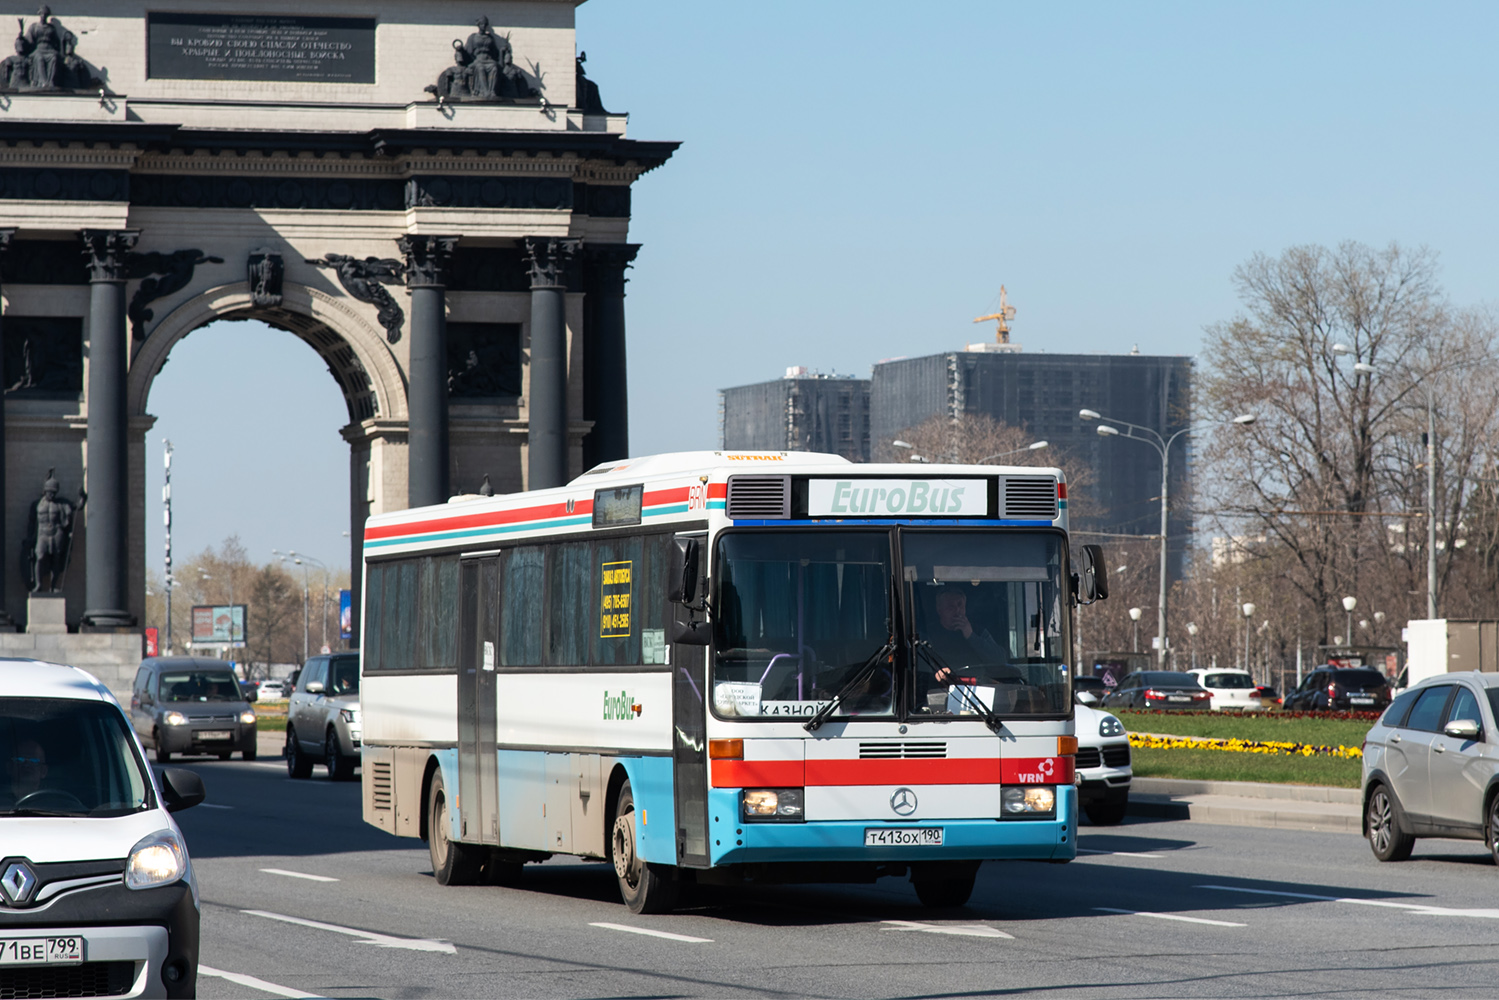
1269 747
1276 714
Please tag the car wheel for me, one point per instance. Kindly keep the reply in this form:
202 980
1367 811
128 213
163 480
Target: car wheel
453 863
163 755
1386 839
250 754
226 755
645 887
298 764
1492 833
942 885
1107 813
340 765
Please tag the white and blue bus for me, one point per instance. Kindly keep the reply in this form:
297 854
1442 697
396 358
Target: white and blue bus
721 668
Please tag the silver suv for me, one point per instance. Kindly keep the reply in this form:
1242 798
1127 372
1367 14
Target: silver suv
1431 766
322 718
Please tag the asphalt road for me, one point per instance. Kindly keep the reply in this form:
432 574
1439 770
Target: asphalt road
301 895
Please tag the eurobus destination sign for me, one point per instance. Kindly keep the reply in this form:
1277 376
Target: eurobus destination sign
898 497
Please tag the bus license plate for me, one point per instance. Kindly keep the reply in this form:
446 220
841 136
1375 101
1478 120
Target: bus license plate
41 951
215 734
908 836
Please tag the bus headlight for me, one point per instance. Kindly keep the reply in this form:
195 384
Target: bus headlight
174 719
1110 726
772 805
1035 800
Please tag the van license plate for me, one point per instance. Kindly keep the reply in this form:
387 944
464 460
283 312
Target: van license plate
215 734
908 836
41 951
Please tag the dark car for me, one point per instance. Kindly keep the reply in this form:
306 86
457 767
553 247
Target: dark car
1159 689
1340 689
1093 687
187 705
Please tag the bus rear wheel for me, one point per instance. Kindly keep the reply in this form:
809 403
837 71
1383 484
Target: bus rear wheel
645 887
453 863
944 883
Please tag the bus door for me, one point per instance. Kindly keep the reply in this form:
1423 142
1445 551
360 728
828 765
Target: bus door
478 780
689 742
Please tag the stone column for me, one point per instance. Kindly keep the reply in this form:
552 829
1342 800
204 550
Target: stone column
605 391
427 387
6 624
105 605
547 400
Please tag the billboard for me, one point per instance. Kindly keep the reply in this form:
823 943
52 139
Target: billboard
345 614
216 623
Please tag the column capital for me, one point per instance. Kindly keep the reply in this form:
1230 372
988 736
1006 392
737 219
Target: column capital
108 252
6 235
549 257
427 259
608 263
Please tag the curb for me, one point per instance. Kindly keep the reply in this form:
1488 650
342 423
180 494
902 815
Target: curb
1234 803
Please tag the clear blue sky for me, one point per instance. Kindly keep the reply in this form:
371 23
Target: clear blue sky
858 179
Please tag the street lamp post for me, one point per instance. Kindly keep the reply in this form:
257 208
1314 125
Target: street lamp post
1192 638
1134 616
1033 446
302 560
909 447
1248 609
1162 445
1349 603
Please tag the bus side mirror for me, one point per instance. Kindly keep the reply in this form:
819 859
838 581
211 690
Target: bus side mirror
684 566
1092 575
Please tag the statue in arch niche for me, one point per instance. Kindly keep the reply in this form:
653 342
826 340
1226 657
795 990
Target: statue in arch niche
49 537
483 70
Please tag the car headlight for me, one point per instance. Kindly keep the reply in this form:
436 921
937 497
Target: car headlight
1028 801
1110 726
174 719
349 715
159 859
247 717
772 804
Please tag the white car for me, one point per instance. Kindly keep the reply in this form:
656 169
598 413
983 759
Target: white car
272 690
97 893
1231 690
1103 765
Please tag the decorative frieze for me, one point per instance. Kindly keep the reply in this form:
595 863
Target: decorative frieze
43 184
365 280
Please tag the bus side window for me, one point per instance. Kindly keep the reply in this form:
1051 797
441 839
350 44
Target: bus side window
569 601
374 576
439 613
615 604
520 609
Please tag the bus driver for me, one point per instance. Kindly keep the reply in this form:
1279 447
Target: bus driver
960 645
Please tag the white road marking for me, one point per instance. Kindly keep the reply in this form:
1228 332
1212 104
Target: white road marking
1169 916
259 984
366 937
1118 854
1424 909
290 874
650 933
962 930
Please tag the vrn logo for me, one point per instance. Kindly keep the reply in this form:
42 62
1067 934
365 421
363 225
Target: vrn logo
1043 773
620 707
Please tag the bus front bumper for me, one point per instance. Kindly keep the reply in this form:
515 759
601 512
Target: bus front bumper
732 841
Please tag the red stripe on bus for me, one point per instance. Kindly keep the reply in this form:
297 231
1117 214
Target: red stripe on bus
486 520
942 771
657 497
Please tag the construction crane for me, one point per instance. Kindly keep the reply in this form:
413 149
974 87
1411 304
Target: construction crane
1002 318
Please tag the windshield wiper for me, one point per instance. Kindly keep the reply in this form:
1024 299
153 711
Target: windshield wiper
858 678
965 692
28 811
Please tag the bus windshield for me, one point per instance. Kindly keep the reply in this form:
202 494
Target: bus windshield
799 615
987 622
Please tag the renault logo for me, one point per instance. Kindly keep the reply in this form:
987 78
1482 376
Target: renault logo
903 802
17 883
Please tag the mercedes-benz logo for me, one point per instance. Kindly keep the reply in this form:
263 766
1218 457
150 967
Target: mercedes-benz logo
17 883
903 802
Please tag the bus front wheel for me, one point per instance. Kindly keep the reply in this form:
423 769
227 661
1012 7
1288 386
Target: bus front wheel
941 884
645 887
453 863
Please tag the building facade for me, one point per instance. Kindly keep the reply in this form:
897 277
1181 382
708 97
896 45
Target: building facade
1043 393
804 411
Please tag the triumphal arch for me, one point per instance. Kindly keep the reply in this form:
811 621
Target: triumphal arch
431 193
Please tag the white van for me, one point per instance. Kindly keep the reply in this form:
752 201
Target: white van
97 894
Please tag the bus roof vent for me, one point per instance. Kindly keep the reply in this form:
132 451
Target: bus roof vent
767 497
1031 497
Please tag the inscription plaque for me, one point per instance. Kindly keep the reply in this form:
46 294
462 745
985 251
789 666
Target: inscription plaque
265 47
